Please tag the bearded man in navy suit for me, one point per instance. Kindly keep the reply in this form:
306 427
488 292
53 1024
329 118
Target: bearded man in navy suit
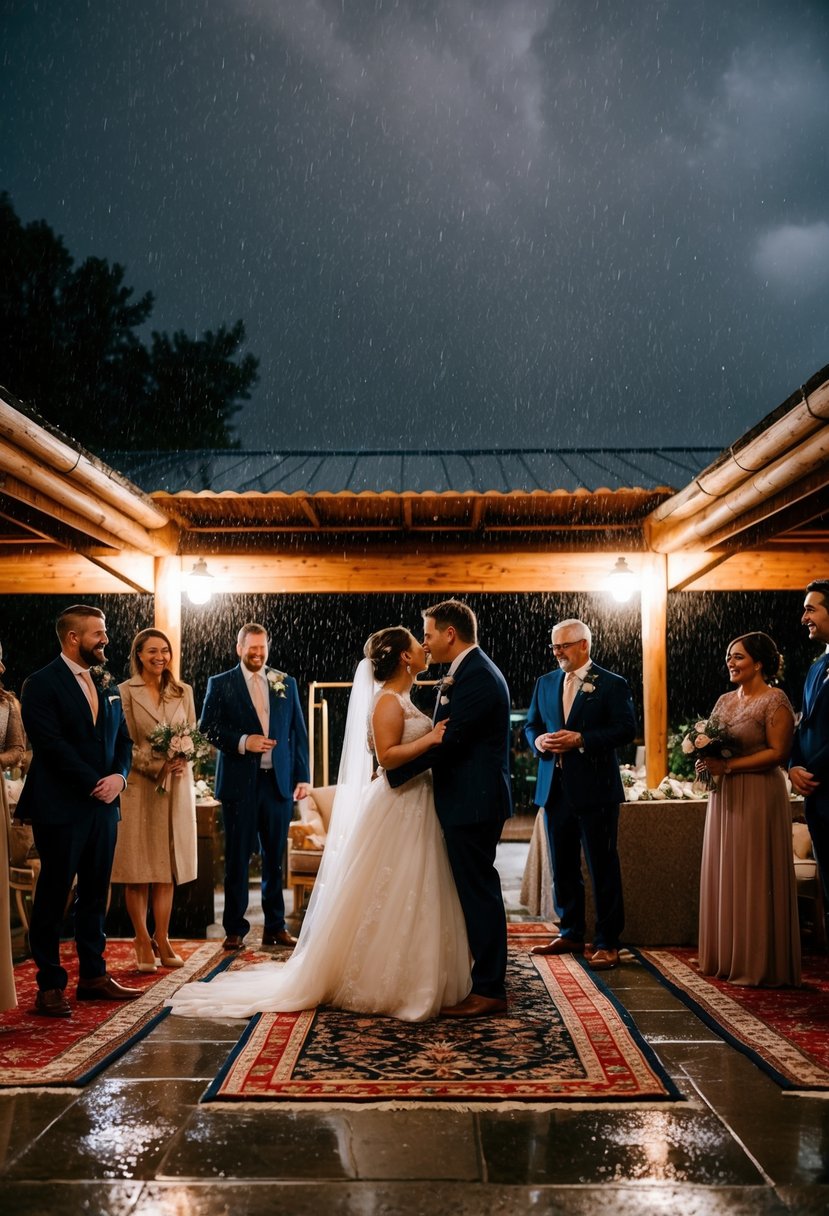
470 774
81 757
253 716
809 765
578 716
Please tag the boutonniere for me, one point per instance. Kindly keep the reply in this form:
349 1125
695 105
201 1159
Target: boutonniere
276 681
115 698
446 683
590 681
101 678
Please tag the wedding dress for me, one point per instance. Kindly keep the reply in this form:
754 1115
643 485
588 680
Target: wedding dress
384 932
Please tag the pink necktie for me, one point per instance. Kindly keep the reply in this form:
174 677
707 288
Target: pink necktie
91 693
259 703
571 681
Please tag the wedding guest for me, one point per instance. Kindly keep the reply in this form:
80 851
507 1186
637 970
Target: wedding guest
809 770
12 750
157 846
253 716
81 755
578 716
748 925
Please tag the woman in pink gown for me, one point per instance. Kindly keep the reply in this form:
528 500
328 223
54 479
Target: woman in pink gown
748 924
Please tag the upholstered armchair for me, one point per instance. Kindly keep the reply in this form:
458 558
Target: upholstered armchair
306 841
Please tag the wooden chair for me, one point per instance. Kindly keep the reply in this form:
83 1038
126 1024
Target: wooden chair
306 841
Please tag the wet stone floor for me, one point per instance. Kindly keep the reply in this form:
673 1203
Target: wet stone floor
136 1140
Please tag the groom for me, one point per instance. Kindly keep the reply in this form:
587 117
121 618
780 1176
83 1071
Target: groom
470 771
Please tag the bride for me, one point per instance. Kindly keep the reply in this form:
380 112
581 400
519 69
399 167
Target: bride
384 932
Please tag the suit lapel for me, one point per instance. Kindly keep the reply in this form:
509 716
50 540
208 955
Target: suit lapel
75 693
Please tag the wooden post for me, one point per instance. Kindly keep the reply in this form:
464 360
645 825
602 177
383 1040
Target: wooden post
655 665
168 604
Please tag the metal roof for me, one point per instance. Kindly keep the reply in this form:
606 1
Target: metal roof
458 471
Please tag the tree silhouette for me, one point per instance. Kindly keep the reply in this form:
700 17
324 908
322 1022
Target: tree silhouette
69 347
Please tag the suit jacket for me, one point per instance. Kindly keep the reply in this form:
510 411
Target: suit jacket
605 718
70 752
811 739
228 713
470 767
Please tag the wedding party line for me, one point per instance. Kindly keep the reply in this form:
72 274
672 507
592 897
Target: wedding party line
406 916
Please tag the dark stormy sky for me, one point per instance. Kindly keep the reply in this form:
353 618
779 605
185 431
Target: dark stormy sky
473 222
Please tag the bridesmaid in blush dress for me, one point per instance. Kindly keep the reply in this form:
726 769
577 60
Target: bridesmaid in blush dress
748 925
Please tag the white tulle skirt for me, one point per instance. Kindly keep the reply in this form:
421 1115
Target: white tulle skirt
384 932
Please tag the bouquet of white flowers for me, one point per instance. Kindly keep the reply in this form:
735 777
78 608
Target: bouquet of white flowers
708 738
178 741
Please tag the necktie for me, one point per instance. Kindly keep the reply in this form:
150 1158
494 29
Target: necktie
571 684
259 702
91 692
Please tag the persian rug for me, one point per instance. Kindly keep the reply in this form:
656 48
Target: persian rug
565 1039
785 1031
46 1052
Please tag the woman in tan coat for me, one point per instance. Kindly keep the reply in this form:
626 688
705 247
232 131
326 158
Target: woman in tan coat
156 847
12 750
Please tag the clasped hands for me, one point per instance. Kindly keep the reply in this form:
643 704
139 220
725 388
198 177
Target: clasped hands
803 782
559 741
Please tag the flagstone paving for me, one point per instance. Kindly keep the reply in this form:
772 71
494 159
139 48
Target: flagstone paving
136 1141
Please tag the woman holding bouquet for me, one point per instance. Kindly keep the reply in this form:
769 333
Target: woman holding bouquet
156 846
748 925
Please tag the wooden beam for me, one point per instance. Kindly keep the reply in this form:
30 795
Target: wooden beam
685 567
654 576
777 568
61 573
130 579
56 513
57 488
395 568
310 512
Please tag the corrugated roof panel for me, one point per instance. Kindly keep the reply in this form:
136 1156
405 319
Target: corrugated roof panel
458 471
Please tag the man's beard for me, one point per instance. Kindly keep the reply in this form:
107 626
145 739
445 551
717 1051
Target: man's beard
91 657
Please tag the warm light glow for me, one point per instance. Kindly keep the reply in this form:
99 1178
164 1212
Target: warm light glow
622 581
199 583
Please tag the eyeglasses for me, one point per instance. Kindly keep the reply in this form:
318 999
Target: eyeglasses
566 645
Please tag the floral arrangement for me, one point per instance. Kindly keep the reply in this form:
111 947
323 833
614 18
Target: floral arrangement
276 681
101 678
591 679
178 741
707 737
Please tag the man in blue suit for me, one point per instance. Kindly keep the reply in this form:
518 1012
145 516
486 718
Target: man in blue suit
81 756
253 716
470 772
578 716
809 765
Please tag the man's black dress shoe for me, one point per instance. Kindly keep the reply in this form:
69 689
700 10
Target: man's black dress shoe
233 941
51 1003
281 938
105 988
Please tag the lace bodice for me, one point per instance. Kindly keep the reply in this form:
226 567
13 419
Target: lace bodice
745 720
415 723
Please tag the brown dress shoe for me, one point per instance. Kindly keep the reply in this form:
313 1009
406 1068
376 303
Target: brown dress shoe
51 1003
105 988
281 938
560 945
603 960
233 941
475 1006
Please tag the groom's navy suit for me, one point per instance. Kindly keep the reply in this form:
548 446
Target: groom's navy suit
257 802
581 791
810 750
74 832
470 772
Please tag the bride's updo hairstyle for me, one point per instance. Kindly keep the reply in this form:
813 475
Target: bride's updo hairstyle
384 649
761 648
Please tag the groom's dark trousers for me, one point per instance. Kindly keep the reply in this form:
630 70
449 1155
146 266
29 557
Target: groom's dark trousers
470 771
810 750
74 832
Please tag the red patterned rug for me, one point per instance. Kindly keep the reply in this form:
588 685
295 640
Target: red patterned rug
783 1030
38 1051
565 1039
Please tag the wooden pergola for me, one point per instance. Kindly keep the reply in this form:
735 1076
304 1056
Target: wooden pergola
756 517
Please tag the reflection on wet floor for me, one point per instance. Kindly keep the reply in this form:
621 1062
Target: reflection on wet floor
136 1140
